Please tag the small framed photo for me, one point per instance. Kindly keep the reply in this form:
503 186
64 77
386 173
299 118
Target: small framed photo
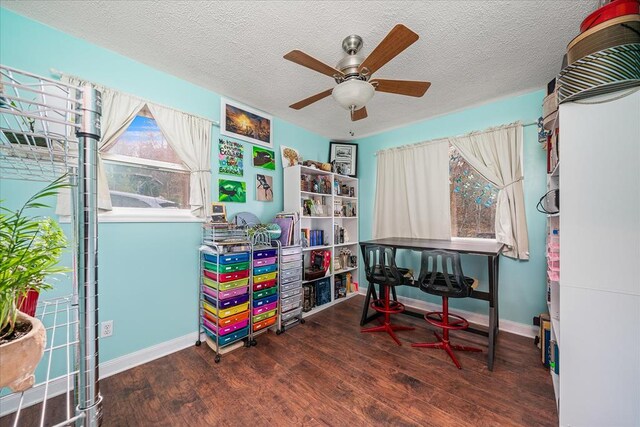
218 213
245 123
344 157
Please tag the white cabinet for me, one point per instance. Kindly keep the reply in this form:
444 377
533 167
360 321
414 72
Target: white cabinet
328 206
599 377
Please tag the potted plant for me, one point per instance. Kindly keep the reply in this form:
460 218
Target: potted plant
30 247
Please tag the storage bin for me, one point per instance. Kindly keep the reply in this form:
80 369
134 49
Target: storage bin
226 277
264 285
228 302
290 250
290 303
233 310
264 261
232 258
265 253
225 294
291 293
224 330
291 279
225 268
264 277
230 338
263 316
291 314
227 320
292 258
286 275
264 324
225 286
292 285
291 265
265 269
265 292
265 301
264 308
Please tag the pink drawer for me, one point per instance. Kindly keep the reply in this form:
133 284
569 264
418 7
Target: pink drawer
265 308
264 261
225 329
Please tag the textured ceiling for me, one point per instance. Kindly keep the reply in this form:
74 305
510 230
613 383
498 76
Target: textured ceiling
471 51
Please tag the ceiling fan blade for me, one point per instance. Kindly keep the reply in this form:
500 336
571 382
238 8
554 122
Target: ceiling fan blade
310 100
359 114
401 87
305 60
398 39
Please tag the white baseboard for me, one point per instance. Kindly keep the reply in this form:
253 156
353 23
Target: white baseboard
10 403
506 325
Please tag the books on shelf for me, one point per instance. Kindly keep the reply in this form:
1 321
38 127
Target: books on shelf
289 223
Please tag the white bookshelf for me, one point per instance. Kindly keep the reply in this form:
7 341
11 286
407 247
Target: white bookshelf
326 219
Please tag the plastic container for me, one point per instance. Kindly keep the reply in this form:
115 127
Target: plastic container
291 314
265 269
225 286
227 320
289 286
225 294
289 250
265 293
226 303
225 268
264 285
264 261
265 315
287 275
226 277
291 265
292 258
264 277
290 303
264 308
228 258
233 310
230 338
224 330
265 301
264 324
265 253
291 293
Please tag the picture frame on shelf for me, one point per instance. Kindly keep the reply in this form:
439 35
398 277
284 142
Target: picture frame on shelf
246 123
218 213
344 158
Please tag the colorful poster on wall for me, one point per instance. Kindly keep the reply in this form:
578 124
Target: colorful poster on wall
264 188
263 158
231 157
232 191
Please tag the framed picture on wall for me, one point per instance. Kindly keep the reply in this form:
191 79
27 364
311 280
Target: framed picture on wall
245 123
344 158
218 213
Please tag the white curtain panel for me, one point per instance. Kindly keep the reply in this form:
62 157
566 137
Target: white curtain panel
412 192
190 137
497 155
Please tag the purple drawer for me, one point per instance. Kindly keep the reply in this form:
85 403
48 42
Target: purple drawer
225 294
264 261
265 253
265 308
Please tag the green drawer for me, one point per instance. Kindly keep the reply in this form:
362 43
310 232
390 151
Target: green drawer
265 292
263 316
226 268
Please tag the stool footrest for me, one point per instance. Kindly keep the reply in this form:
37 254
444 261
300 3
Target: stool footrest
436 318
395 307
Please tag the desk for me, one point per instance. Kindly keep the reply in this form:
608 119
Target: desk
489 249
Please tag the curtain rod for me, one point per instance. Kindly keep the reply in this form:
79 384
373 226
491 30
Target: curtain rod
458 136
58 73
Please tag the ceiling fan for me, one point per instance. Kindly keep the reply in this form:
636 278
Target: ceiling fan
353 72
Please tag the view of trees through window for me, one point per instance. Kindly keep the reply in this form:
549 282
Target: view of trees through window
139 183
473 200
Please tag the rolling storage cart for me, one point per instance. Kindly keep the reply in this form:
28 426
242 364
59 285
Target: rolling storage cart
224 298
290 284
265 296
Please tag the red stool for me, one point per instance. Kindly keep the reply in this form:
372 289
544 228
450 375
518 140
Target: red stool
385 273
446 285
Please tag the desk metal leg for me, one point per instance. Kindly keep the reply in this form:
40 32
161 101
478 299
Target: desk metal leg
493 309
496 294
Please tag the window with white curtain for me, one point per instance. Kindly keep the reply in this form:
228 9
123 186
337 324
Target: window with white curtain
142 169
473 200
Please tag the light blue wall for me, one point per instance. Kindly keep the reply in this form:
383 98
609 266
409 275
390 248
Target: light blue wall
522 284
148 271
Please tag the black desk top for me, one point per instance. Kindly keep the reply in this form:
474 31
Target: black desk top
479 247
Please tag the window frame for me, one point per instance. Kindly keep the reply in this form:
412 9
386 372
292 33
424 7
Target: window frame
462 238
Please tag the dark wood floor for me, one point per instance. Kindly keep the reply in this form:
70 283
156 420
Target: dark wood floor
326 372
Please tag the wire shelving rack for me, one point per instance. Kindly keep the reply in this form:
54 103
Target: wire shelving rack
48 129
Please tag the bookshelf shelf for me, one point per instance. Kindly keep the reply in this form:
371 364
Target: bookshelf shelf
334 228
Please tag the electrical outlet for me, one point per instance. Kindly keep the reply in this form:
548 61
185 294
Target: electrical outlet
106 328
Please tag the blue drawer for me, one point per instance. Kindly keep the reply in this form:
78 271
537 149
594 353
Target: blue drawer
268 300
227 259
227 339
265 269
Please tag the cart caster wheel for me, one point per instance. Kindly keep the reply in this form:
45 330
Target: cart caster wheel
254 343
278 332
247 344
198 343
302 321
217 358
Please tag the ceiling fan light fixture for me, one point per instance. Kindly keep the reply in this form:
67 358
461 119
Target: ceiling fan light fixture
353 93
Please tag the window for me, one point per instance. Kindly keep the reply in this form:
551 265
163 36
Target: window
473 200
143 171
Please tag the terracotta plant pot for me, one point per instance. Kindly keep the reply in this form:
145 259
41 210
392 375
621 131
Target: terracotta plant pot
21 357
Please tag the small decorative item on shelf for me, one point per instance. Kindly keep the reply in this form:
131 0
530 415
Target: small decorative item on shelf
345 255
